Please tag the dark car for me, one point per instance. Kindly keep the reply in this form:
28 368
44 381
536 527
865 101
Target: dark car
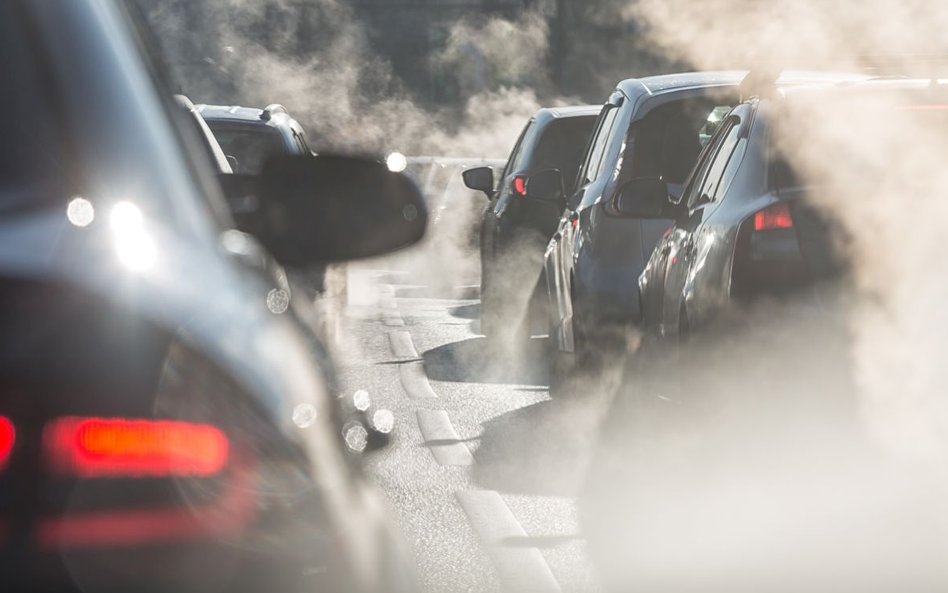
163 424
250 135
650 128
743 229
516 226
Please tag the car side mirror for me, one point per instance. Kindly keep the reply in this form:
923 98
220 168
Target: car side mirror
232 161
480 179
546 186
645 197
323 209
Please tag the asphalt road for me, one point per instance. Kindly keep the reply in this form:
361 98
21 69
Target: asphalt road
484 469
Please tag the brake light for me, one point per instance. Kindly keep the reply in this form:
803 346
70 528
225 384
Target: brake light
773 217
99 447
520 186
7 438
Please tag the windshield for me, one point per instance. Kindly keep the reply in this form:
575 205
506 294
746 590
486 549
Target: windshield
250 145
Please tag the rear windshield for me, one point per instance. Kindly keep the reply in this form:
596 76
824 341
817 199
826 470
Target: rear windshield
250 145
562 145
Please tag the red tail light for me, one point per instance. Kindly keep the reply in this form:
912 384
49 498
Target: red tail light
773 217
520 186
97 447
7 438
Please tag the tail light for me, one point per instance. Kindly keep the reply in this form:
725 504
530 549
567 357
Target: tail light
773 218
7 438
99 447
519 186
767 259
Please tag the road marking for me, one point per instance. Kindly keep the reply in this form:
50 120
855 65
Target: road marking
415 381
520 569
401 344
392 318
441 438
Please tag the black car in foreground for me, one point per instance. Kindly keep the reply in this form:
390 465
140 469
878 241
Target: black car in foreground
516 225
164 425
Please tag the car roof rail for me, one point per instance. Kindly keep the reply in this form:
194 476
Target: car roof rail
271 109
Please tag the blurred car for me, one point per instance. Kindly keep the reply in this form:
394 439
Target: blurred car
650 127
163 424
515 227
214 151
250 135
743 229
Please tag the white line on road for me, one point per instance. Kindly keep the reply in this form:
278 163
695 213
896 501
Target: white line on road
441 438
401 344
521 569
415 381
392 318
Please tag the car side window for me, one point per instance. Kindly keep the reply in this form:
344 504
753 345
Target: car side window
516 153
729 144
593 164
699 174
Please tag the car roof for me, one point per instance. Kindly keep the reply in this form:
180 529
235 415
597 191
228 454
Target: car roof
245 115
669 83
572 111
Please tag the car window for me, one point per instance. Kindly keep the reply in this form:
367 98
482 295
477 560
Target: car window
251 145
666 142
562 145
699 173
594 159
516 155
728 147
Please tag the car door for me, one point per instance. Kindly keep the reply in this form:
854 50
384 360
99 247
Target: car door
559 257
680 247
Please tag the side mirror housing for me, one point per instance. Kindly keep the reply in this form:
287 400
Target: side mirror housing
480 179
322 209
546 186
645 197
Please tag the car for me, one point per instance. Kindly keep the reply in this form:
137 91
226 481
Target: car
163 424
743 230
649 127
516 227
250 135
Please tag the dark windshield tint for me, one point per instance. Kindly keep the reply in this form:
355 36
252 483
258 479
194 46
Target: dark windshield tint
250 145
563 145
